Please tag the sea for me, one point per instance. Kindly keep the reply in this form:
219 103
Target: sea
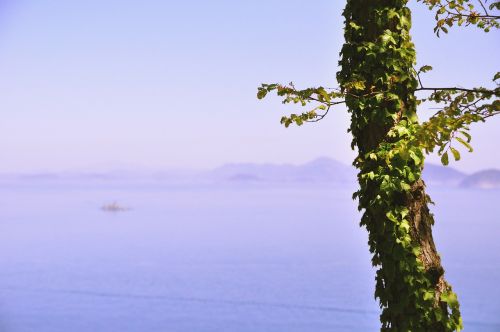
219 257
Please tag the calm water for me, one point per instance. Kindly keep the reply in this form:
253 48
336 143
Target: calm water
219 259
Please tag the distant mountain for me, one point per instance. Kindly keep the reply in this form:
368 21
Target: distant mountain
329 171
488 179
321 170
437 175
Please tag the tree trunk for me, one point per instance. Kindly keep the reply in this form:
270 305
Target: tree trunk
378 77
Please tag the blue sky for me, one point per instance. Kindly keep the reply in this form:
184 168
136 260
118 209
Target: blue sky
172 84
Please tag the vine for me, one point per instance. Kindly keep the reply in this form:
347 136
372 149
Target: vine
378 51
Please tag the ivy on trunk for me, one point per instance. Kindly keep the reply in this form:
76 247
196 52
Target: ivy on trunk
410 284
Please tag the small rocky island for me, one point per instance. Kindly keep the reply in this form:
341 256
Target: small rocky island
114 207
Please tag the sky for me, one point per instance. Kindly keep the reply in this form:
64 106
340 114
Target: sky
172 84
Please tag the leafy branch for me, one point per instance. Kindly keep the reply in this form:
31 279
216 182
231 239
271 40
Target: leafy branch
458 109
323 99
451 123
464 12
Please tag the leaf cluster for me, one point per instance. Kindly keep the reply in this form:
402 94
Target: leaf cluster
321 98
464 12
452 123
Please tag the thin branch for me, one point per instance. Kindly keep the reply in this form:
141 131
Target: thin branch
452 89
482 5
320 117
488 17
419 80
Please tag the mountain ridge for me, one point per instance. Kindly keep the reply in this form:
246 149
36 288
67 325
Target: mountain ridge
321 170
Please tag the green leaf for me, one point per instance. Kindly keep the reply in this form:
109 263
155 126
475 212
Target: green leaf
354 26
464 143
444 159
470 97
425 69
450 298
439 315
428 295
495 5
415 158
455 153
466 135
261 93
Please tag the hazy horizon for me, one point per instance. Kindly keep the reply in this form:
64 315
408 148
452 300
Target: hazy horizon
117 167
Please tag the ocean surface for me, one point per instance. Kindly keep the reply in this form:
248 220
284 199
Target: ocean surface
219 258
